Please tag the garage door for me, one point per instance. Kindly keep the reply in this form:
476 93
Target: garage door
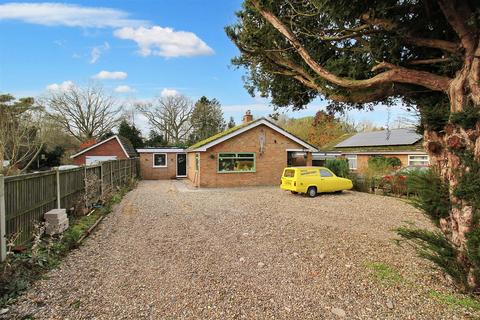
89 160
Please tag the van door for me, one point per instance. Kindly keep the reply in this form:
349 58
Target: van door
327 181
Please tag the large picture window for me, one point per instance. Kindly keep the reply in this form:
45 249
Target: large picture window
159 160
236 162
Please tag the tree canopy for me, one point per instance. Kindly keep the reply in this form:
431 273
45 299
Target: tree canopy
131 132
21 135
86 113
207 118
318 130
354 53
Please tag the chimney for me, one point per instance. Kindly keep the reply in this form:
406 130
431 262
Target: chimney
247 117
87 143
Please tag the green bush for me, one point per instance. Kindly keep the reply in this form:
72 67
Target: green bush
361 183
431 194
468 118
338 166
381 162
434 246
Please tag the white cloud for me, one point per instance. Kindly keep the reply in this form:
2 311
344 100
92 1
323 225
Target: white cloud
165 42
64 86
98 51
110 75
71 15
169 92
124 89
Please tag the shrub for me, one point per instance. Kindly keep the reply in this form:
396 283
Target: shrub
381 162
468 118
434 246
360 183
338 166
431 194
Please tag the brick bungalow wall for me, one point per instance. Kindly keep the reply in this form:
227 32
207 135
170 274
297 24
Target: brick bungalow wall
192 173
109 148
269 165
151 173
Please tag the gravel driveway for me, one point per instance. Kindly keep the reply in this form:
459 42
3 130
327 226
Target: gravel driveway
167 252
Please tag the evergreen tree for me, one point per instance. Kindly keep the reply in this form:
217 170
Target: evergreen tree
155 140
131 133
207 118
231 123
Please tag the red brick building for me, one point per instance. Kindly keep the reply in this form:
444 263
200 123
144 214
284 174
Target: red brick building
253 153
114 148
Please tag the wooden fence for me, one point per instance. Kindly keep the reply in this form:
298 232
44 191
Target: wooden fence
24 199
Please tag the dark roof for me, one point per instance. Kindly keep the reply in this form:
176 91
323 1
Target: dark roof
127 145
384 138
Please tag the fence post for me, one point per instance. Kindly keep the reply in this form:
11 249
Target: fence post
101 178
59 199
3 238
111 174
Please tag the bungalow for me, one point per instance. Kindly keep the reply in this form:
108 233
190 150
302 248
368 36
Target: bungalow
114 148
163 163
252 153
404 144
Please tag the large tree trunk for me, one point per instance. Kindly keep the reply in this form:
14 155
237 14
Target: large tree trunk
444 149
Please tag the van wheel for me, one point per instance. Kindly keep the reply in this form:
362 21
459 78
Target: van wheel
312 192
294 192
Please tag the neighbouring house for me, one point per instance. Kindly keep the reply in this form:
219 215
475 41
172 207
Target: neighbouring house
163 163
114 148
250 154
404 144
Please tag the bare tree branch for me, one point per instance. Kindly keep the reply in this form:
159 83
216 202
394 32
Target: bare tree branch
85 113
171 116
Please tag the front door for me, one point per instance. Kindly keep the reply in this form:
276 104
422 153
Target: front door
181 164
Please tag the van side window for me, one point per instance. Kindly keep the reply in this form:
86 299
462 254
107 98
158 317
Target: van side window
325 173
309 172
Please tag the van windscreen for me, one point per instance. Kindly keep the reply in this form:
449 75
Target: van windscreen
289 173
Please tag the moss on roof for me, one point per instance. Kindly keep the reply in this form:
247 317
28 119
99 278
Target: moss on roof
219 135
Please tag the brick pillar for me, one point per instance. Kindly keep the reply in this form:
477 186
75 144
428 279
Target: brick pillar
309 159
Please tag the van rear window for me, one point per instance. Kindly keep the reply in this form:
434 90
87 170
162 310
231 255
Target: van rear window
289 173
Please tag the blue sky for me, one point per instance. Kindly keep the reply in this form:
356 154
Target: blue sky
135 49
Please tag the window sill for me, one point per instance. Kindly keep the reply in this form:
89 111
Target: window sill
222 172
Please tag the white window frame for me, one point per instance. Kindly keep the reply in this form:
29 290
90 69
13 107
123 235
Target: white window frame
166 160
352 157
426 159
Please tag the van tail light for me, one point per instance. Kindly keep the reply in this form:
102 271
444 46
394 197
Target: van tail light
295 183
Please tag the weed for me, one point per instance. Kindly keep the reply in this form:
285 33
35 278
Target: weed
452 300
384 273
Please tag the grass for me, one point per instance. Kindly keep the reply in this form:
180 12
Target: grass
383 273
455 301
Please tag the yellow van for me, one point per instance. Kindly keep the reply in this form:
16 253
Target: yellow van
313 180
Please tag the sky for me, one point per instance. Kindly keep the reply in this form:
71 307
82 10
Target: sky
136 50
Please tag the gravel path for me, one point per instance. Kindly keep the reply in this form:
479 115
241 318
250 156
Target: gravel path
248 253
